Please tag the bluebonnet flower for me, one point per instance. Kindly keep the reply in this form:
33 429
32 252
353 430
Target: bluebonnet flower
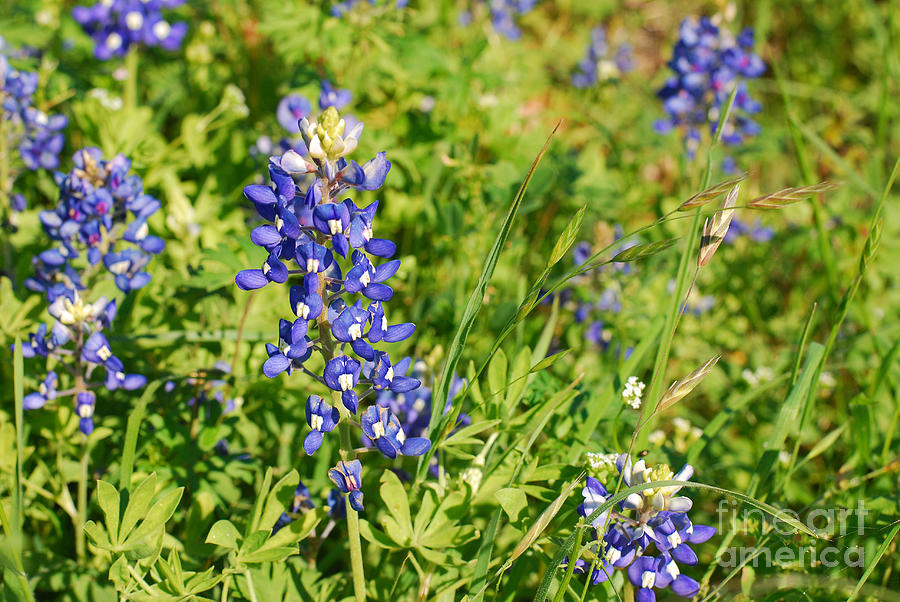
46 392
91 217
321 418
382 427
117 25
346 476
291 110
597 65
84 407
324 245
87 225
708 62
37 135
627 533
79 325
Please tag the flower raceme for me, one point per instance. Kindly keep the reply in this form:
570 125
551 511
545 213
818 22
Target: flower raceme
117 25
323 245
96 199
708 61
647 534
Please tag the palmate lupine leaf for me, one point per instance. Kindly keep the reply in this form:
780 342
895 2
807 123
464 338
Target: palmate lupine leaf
789 196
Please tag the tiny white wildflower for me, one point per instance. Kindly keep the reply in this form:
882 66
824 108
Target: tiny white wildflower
634 390
599 461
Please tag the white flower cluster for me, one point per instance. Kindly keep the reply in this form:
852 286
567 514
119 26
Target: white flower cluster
634 390
598 461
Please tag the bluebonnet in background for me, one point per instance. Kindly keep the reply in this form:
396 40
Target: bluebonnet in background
76 340
756 231
597 65
504 15
37 136
648 534
117 25
708 61
338 272
339 9
99 223
594 297
93 237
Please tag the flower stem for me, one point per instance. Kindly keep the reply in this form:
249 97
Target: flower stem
570 569
356 562
81 516
249 578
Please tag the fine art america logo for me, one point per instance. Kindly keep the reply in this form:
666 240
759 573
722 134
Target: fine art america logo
830 524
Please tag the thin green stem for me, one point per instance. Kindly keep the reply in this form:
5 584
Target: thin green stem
570 569
131 66
356 562
82 503
252 591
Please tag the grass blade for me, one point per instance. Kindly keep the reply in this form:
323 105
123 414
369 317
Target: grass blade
476 299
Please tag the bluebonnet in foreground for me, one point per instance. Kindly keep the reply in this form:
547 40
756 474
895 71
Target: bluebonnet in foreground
708 61
99 222
597 65
117 25
648 534
413 408
294 107
337 290
37 135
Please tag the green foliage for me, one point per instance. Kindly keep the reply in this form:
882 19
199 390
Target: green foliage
195 488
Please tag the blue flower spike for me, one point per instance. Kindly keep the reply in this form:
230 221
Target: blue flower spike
347 478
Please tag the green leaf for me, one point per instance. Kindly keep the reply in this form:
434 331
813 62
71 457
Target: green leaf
398 524
497 373
568 237
517 379
138 505
223 533
108 498
881 550
266 554
255 514
644 250
512 500
549 361
279 499
160 512
98 535
376 537
297 530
